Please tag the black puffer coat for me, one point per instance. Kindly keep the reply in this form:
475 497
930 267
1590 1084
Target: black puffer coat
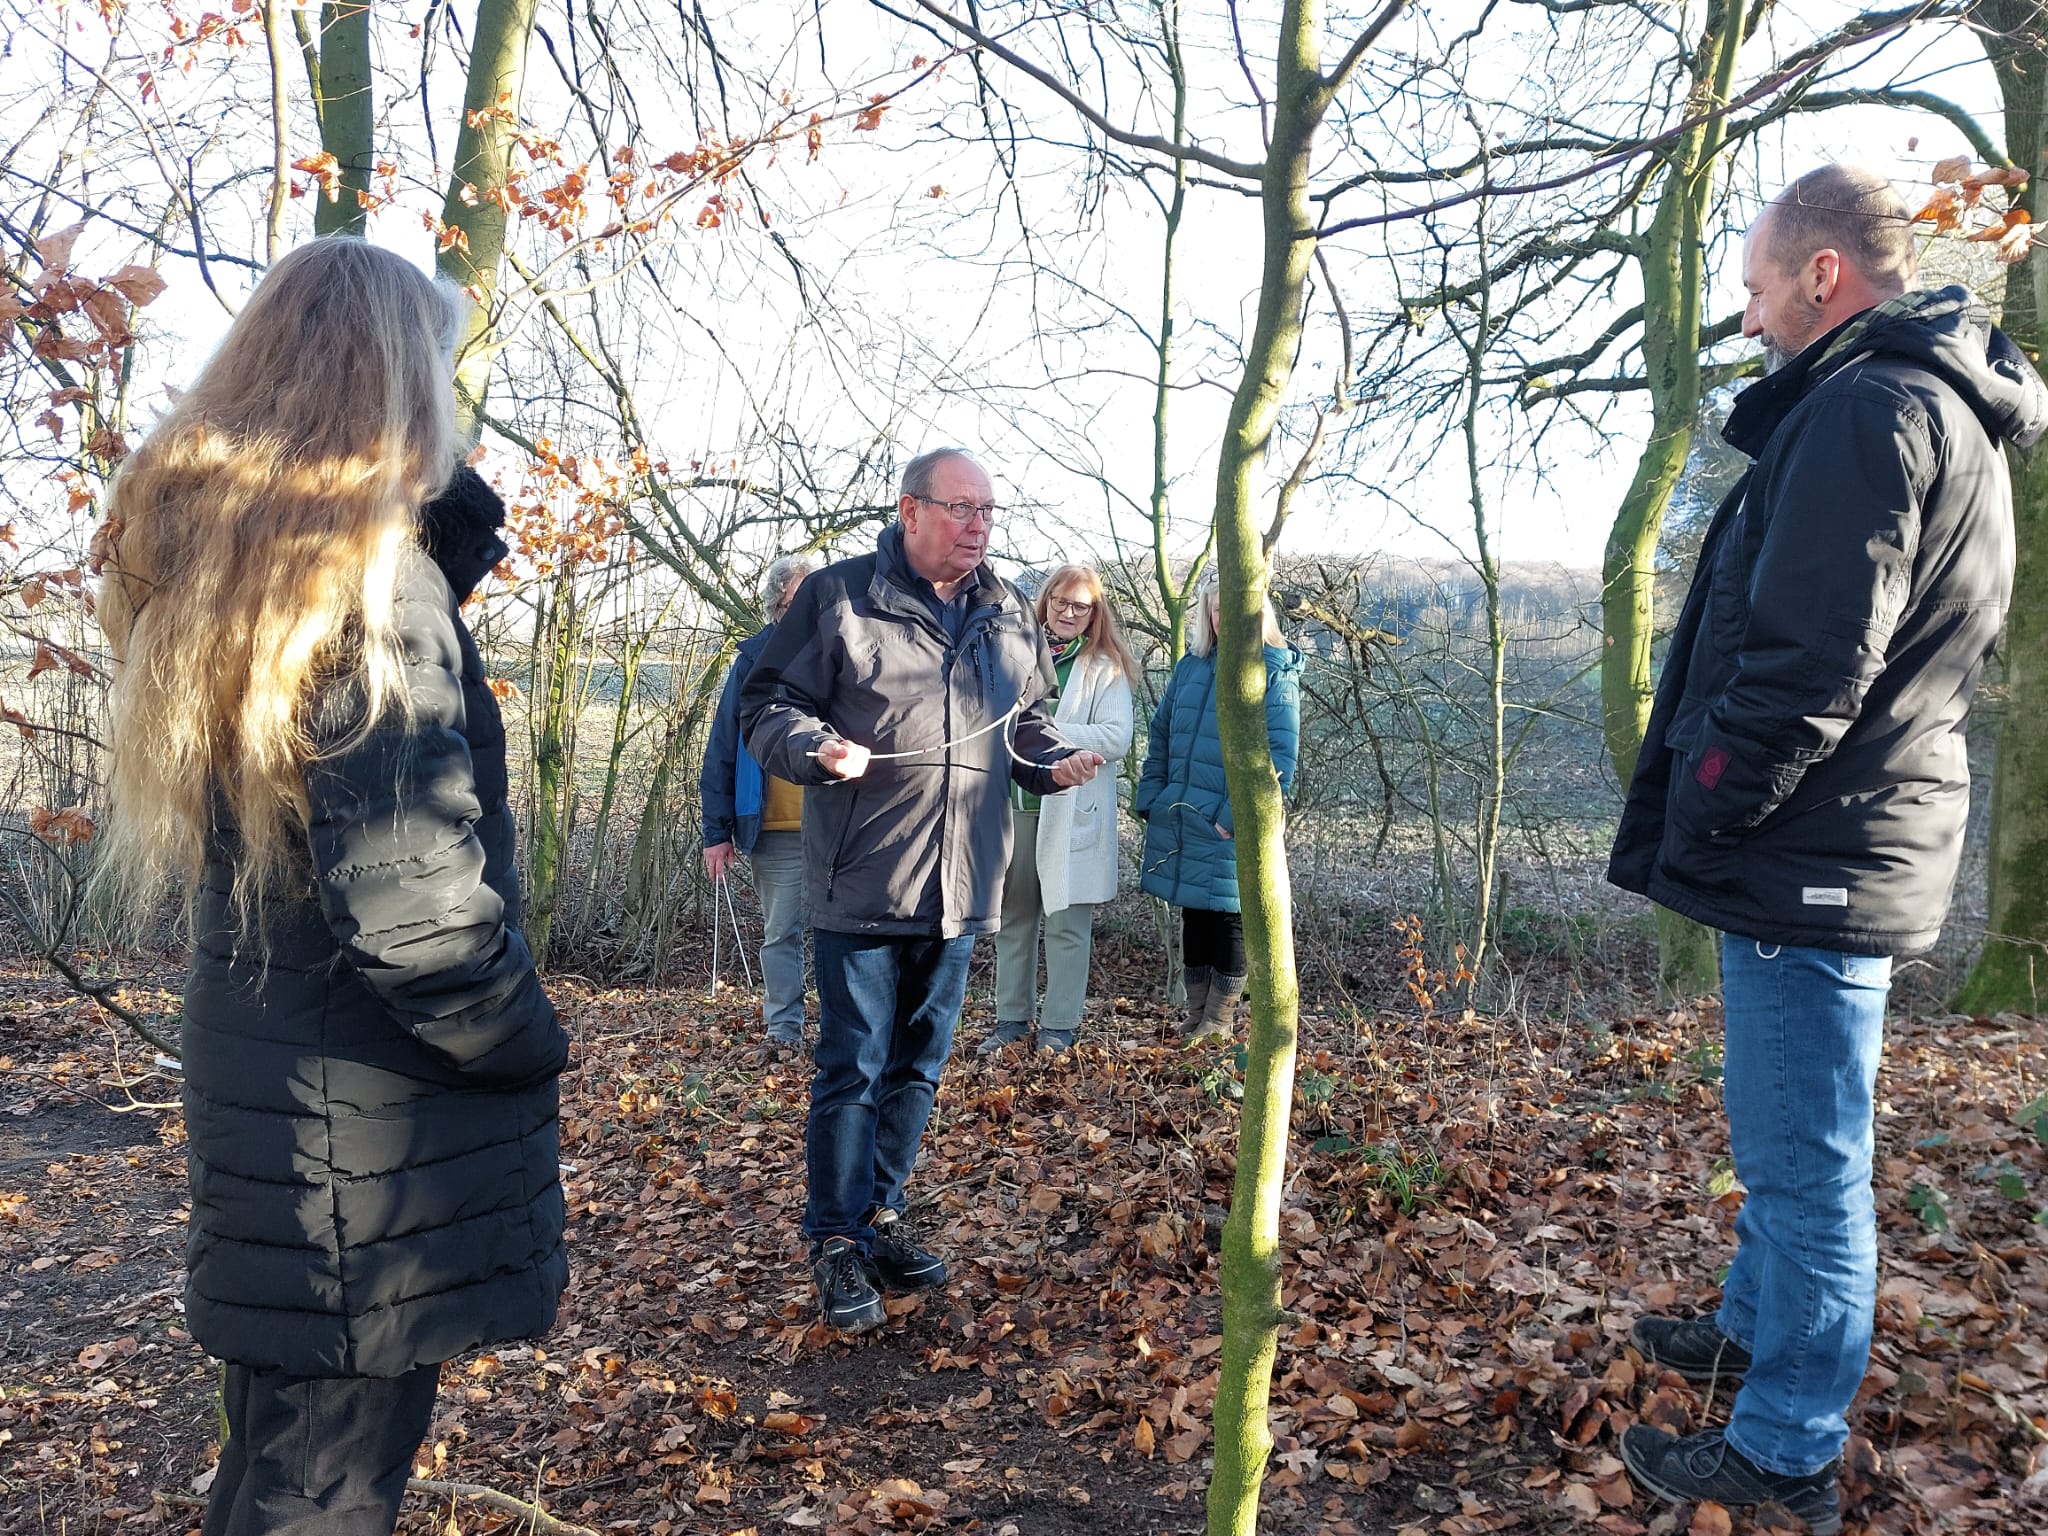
1804 779
372 1104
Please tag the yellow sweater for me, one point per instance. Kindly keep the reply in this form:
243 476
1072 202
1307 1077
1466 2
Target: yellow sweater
782 805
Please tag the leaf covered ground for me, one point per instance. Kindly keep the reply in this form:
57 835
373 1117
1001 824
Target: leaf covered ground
1476 1212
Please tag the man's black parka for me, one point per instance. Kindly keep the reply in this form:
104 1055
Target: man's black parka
370 1096
1804 779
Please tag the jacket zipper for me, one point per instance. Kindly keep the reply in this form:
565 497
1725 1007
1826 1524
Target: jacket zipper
839 848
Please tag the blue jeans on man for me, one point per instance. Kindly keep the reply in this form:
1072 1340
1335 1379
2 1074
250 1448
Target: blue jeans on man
886 1011
1805 1032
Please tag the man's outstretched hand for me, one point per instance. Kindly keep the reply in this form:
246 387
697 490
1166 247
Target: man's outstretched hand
1077 769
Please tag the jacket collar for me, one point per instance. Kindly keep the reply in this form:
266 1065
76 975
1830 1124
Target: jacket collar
1943 330
899 589
459 531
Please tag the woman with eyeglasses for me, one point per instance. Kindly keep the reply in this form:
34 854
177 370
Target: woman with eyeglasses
1190 860
1064 856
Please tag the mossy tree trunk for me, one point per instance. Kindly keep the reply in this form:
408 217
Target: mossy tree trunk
1672 263
2012 970
1251 1235
345 104
473 217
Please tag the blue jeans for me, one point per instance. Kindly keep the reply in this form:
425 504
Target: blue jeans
886 1011
1805 1030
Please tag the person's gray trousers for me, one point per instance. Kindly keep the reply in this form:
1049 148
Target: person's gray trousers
1069 945
778 863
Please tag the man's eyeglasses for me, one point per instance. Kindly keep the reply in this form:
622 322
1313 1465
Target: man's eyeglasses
964 512
1066 609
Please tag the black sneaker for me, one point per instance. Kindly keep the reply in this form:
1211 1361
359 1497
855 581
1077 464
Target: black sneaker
846 1287
900 1260
1706 1466
1693 1347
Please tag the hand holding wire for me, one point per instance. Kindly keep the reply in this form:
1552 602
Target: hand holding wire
847 759
1076 769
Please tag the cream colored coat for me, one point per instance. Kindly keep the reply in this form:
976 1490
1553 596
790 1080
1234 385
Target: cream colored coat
1077 842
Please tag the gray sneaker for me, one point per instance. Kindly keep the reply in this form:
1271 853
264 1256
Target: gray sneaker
1002 1035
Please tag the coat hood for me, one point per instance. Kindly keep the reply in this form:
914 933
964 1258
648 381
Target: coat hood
459 531
1944 330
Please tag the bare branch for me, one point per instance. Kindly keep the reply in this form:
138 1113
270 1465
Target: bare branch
1244 170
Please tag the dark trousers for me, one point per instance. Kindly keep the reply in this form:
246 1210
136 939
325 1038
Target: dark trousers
317 1456
886 1011
1213 939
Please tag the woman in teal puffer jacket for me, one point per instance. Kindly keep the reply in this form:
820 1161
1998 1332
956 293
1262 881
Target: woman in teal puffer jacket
1190 860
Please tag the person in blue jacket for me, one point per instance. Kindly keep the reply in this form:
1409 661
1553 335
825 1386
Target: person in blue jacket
749 812
1189 860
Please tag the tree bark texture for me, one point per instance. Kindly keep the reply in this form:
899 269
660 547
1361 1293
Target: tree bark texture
345 104
1251 1235
2012 970
470 254
1673 271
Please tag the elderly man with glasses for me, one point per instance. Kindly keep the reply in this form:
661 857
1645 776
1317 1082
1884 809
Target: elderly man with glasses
906 688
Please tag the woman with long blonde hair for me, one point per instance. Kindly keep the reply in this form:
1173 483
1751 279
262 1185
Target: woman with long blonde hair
1063 859
303 737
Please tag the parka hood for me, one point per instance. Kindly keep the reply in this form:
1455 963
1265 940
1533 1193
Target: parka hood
1944 330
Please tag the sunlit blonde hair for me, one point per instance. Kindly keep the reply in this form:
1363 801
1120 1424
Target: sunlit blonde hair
1104 635
254 538
1202 628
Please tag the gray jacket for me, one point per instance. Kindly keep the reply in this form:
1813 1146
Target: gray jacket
917 846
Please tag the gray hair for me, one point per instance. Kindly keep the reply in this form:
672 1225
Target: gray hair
1201 628
1848 209
781 579
917 474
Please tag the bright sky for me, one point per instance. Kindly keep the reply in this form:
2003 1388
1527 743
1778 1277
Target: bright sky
929 332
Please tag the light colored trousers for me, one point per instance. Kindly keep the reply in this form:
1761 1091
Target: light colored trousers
1069 942
778 861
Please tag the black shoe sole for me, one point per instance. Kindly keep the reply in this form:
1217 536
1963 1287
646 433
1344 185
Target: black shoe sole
1826 1525
1699 1376
857 1319
900 1284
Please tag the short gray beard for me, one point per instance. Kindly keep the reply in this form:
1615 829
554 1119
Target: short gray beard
1777 352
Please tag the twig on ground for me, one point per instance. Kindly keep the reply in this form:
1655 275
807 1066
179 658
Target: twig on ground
537 1519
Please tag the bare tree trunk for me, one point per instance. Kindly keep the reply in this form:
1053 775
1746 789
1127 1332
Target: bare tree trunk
1673 270
483 155
346 105
280 136
1173 595
1251 1235
2012 970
